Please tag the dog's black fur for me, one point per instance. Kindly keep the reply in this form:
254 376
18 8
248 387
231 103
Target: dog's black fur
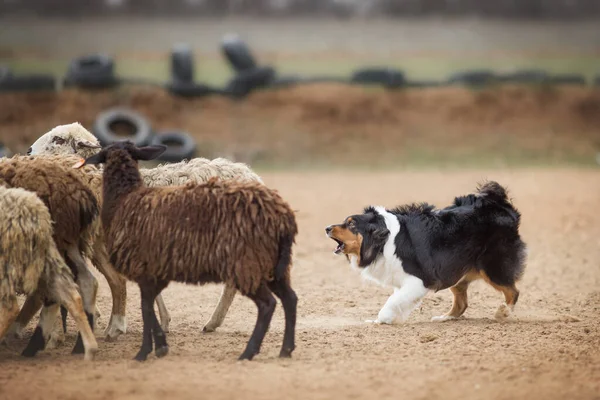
478 232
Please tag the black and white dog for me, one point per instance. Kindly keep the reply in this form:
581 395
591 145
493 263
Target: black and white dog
417 248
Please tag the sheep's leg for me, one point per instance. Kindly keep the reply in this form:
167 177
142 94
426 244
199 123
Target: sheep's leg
289 300
65 291
117 324
43 330
149 292
31 306
89 288
8 313
265 302
165 317
220 311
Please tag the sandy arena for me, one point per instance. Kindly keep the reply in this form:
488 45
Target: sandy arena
549 349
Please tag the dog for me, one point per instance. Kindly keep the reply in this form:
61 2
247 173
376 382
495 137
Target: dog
417 249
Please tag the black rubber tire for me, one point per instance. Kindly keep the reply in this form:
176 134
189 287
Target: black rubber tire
93 71
238 53
245 82
567 79
182 63
475 77
22 83
103 127
184 150
387 77
524 76
191 89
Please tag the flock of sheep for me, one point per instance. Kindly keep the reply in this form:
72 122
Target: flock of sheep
196 221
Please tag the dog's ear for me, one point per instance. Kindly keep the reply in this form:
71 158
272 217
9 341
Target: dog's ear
372 245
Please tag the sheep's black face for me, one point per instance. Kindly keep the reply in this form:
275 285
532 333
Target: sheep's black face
137 153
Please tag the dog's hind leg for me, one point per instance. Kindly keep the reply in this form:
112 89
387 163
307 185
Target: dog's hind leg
511 296
459 302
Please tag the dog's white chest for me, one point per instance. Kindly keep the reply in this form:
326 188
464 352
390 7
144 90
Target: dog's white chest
387 269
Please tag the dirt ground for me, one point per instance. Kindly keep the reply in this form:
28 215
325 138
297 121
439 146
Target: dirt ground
549 349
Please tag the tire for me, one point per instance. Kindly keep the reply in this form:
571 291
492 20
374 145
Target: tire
567 79
184 150
524 76
388 77
238 54
104 127
93 71
22 83
247 81
190 89
182 64
475 77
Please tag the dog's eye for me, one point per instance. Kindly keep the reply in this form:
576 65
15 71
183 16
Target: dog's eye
351 225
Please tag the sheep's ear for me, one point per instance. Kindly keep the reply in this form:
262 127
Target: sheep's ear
99 158
88 145
149 152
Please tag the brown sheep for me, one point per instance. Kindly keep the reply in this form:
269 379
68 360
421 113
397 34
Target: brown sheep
31 264
237 233
74 210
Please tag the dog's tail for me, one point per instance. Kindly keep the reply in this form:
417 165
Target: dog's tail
493 191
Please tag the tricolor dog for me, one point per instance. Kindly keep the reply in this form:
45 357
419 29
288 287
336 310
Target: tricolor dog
417 249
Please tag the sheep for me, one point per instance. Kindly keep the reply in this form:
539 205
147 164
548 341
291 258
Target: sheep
219 231
74 210
75 139
31 264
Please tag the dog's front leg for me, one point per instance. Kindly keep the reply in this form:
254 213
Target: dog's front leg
402 302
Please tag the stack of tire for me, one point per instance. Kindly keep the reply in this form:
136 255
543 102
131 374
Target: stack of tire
248 75
117 124
182 74
20 83
95 71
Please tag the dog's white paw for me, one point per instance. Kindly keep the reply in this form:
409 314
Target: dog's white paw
442 318
503 312
377 322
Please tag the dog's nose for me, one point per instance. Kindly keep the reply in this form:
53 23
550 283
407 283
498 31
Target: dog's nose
328 229
29 151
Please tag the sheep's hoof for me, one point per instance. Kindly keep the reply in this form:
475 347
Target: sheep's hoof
141 356
161 351
285 353
208 329
246 356
78 349
36 343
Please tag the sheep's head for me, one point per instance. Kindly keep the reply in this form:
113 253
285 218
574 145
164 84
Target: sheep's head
123 151
66 139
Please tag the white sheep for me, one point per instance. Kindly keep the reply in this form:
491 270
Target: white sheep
75 139
31 264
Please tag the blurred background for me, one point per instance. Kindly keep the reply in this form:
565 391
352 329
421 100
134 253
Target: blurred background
311 83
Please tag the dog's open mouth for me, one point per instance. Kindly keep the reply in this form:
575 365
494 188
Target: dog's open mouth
340 246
